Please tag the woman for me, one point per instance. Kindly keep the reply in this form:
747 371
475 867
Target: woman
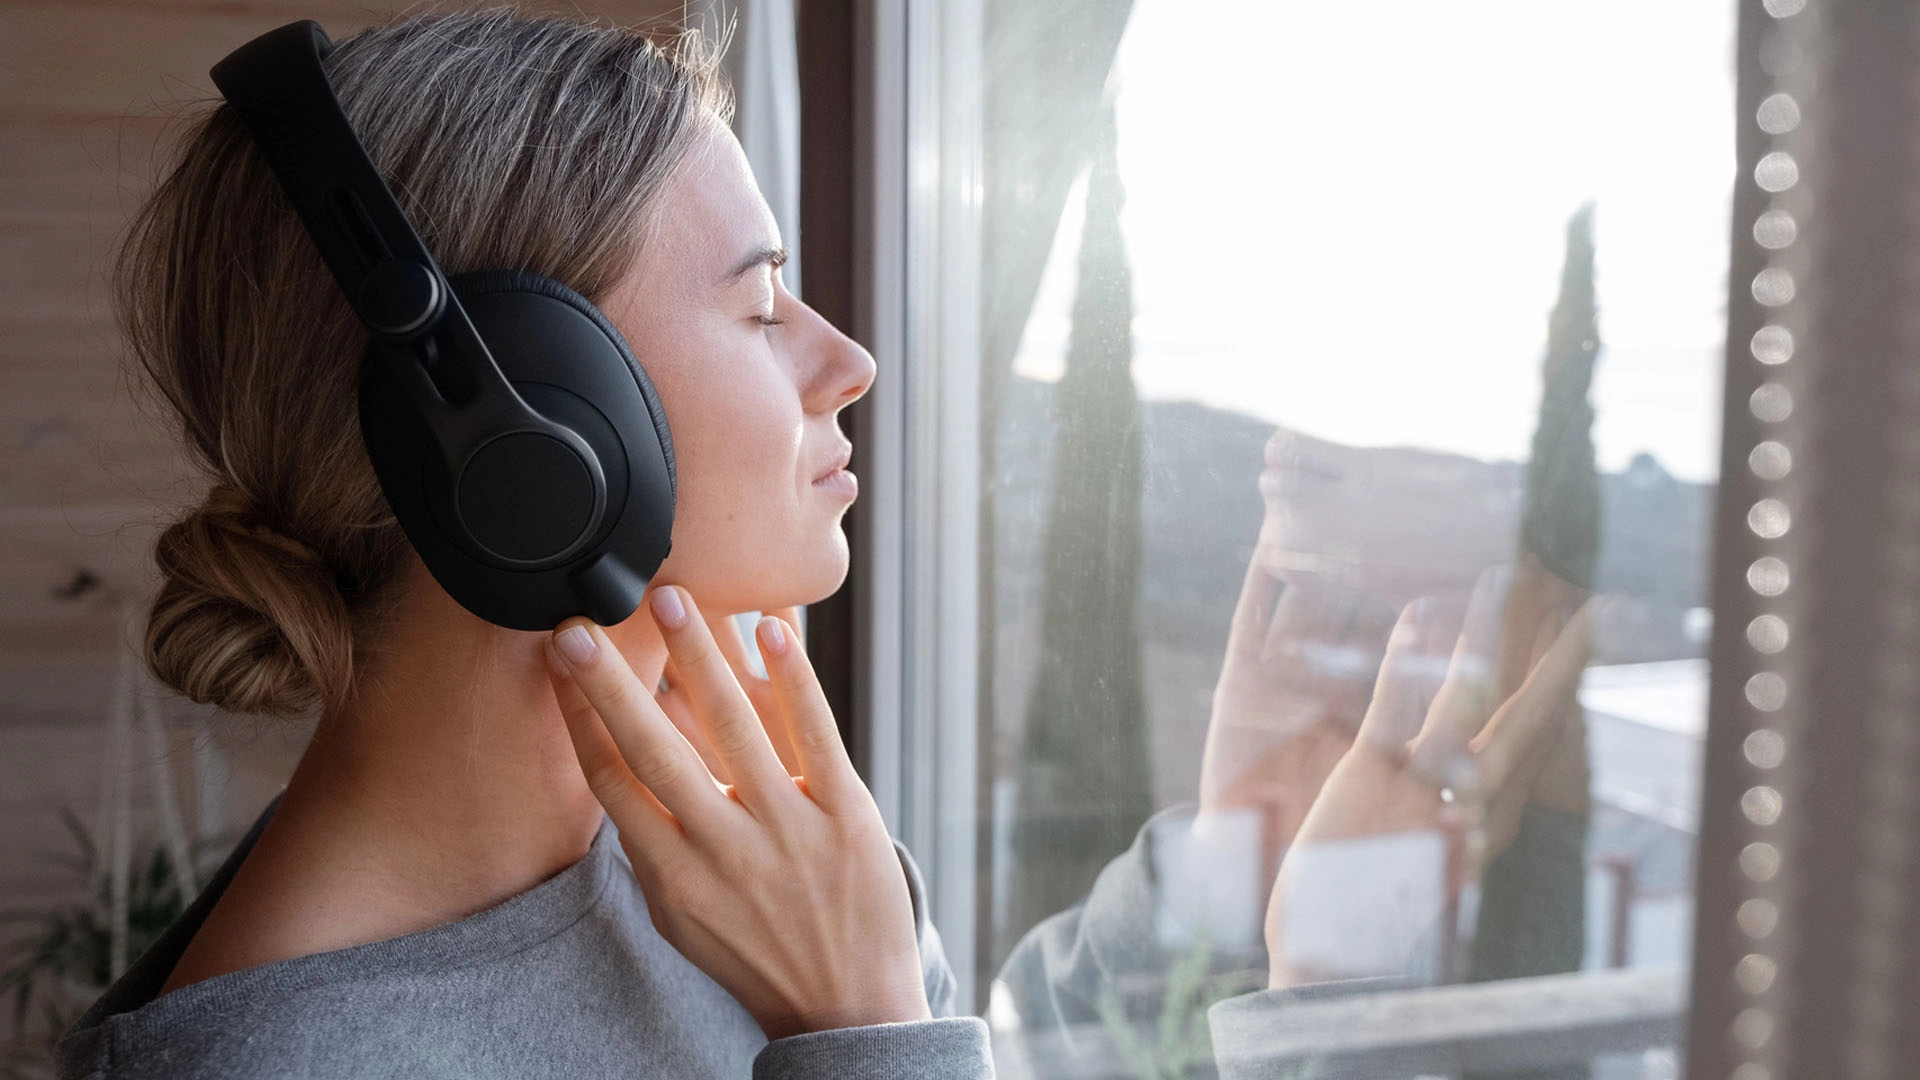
502 854
438 890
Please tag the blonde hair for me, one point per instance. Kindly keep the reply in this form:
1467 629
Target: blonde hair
512 141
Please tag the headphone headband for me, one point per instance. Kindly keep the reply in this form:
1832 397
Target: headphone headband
512 507
278 85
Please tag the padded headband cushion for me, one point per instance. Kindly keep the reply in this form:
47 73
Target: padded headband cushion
488 282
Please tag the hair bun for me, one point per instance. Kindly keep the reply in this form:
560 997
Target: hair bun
247 618
230 509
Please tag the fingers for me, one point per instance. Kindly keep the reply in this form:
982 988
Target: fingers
1429 674
600 761
1395 712
1562 736
1467 697
638 765
1477 650
791 616
1298 619
750 674
811 729
1251 612
1324 636
726 634
732 727
747 670
1535 597
673 701
1541 700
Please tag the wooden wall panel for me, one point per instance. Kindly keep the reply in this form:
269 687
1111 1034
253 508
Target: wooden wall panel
62 61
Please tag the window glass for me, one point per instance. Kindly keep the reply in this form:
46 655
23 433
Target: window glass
1350 406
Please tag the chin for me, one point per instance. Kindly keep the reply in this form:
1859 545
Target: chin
824 575
801 581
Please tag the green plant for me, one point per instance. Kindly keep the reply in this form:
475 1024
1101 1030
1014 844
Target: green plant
63 960
1183 1043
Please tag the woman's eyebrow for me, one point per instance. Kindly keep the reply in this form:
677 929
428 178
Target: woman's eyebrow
771 256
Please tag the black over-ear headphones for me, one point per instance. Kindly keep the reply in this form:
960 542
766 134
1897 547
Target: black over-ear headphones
522 447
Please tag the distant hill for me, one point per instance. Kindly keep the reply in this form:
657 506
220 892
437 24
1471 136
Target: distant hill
1415 522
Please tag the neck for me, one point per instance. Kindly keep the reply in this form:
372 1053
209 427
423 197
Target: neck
451 780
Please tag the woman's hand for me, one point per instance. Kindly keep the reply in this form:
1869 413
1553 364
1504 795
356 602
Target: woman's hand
785 889
674 701
1427 736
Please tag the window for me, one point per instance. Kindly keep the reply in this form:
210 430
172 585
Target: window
1337 318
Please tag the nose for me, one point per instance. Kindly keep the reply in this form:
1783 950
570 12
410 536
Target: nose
843 369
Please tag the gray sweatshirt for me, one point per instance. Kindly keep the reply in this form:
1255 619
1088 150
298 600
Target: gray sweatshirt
567 979
570 979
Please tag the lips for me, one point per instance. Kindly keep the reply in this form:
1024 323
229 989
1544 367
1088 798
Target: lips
840 461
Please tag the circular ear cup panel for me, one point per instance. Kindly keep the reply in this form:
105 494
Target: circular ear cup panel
527 497
569 363
524 511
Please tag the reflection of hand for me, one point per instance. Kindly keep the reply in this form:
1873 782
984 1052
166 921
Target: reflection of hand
1415 748
1304 528
1291 694
1536 597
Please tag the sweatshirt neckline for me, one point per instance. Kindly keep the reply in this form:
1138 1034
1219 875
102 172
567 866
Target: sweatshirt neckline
515 923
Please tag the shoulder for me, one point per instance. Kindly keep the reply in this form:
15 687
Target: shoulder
201 1031
575 1011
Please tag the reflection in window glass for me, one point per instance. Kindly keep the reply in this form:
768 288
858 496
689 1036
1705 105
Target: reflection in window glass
1351 378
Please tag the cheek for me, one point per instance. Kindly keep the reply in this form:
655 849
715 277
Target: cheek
738 466
733 410
741 435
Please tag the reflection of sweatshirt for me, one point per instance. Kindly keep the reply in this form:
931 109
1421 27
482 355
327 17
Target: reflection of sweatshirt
1121 984
567 979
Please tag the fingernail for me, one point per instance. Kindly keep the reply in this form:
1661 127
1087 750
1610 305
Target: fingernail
576 644
554 663
773 639
668 609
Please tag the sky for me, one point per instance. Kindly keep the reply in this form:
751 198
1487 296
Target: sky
1349 218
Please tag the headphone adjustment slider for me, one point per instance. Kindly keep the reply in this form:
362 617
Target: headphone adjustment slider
400 299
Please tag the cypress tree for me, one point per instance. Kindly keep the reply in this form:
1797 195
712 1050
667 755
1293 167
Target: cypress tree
1532 916
1084 784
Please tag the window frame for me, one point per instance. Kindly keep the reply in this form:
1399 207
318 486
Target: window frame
915 667
916 626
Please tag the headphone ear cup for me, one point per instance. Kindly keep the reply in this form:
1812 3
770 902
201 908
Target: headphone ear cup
569 363
475 288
